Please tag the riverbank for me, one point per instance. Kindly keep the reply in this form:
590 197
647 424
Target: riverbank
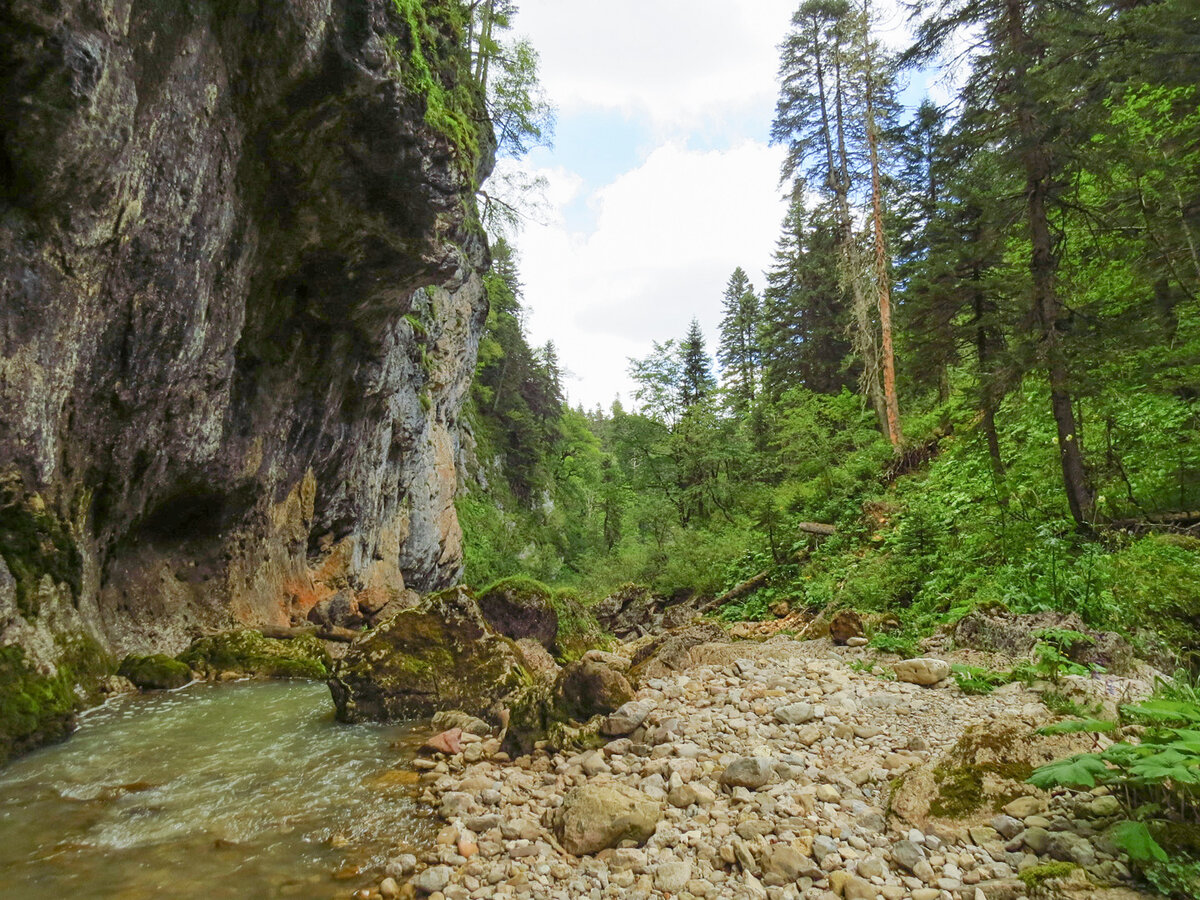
778 769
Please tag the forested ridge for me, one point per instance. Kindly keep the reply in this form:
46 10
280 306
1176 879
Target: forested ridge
976 356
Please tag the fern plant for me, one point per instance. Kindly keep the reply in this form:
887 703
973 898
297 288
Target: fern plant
1157 777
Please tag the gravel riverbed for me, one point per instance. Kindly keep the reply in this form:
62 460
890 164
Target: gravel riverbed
764 770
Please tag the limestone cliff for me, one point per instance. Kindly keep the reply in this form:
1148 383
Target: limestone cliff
239 309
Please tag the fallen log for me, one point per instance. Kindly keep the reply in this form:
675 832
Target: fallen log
735 592
286 632
817 528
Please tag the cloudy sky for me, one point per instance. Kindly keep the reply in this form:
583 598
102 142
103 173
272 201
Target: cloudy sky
661 179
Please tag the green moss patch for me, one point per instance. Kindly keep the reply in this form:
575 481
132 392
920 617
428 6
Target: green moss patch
578 630
156 672
36 708
431 64
978 758
249 652
1036 877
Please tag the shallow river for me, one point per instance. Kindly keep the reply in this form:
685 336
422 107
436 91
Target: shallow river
212 791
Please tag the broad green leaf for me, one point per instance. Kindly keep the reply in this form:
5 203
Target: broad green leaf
1135 839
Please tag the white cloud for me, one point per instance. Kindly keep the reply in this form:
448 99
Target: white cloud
681 63
664 235
667 235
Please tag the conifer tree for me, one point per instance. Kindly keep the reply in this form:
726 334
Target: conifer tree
696 380
739 351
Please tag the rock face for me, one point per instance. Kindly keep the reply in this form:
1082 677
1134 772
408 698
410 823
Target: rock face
441 655
239 309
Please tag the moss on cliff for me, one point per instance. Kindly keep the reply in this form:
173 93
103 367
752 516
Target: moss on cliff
432 64
34 543
249 652
35 707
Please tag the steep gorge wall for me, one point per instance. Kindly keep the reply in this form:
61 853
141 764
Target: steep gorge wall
239 308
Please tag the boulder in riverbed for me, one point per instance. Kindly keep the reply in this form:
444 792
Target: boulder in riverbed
440 655
588 688
845 625
922 671
521 608
594 817
249 652
156 672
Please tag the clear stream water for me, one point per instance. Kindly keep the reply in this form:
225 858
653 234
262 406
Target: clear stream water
241 790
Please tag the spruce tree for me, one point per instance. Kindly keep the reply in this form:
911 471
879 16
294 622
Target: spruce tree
696 381
739 351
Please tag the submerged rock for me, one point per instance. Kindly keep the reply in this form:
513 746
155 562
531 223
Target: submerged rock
156 672
440 655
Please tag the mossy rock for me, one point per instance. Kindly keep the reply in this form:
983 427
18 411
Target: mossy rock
1037 878
38 708
974 779
156 672
587 688
521 608
578 630
249 652
439 655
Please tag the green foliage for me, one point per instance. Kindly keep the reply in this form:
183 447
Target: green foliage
1158 777
975 680
1036 877
433 65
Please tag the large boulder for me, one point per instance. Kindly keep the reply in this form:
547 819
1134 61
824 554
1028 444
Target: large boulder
668 654
339 611
439 655
984 772
588 687
633 610
998 631
845 625
923 670
594 817
521 608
